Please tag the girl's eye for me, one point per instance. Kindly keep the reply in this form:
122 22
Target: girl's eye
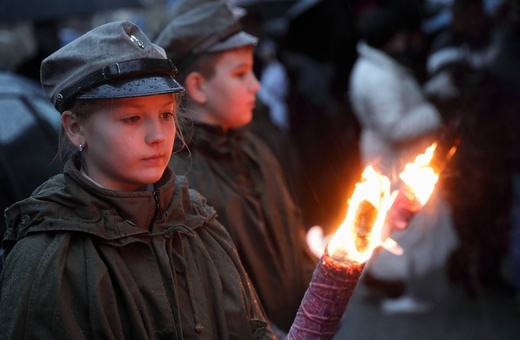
132 119
167 115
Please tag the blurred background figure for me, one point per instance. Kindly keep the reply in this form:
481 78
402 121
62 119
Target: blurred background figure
30 124
319 51
397 123
274 84
30 31
322 128
506 71
271 116
479 188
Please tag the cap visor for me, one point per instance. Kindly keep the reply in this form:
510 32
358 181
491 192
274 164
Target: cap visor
237 40
137 86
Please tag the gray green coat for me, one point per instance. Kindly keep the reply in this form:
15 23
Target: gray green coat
89 263
241 178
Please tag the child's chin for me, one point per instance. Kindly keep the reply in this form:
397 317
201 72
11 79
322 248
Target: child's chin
151 178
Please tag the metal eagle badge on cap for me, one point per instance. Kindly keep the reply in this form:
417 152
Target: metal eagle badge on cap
137 41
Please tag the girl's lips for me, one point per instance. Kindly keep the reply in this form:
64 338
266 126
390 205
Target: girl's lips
154 160
154 157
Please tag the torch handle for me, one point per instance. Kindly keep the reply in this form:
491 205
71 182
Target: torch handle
325 300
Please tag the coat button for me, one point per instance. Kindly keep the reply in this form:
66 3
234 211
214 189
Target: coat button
25 219
199 328
169 232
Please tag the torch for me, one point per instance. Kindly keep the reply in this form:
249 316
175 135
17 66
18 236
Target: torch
340 266
418 181
373 211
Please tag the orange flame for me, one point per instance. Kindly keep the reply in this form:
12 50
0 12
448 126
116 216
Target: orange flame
359 234
363 227
420 177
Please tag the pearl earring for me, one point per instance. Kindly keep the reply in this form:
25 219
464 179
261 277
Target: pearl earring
80 148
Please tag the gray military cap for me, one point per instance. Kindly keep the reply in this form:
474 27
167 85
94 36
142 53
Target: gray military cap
115 60
196 27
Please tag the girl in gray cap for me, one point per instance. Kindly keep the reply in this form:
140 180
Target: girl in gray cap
118 246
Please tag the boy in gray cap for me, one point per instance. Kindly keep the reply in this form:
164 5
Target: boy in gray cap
118 247
229 165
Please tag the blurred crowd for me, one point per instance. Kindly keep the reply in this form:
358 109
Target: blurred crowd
464 56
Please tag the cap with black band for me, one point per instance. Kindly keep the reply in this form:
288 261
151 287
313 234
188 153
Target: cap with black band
199 27
115 60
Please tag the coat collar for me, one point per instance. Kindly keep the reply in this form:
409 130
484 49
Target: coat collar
213 138
70 202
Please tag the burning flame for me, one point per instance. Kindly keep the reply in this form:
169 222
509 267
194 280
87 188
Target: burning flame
363 227
359 234
420 177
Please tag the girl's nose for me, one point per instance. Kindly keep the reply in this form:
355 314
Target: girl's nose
155 132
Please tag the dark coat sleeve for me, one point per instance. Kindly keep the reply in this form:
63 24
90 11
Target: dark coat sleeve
41 289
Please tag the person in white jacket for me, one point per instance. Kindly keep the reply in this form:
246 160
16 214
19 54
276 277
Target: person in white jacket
397 123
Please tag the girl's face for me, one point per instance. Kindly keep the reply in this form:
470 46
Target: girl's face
129 144
231 91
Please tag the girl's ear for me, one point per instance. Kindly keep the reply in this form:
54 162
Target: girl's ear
195 86
70 123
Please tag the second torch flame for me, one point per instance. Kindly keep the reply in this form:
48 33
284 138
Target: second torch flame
420 177
363 227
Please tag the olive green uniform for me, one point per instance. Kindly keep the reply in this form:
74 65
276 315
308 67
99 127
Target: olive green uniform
84 262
